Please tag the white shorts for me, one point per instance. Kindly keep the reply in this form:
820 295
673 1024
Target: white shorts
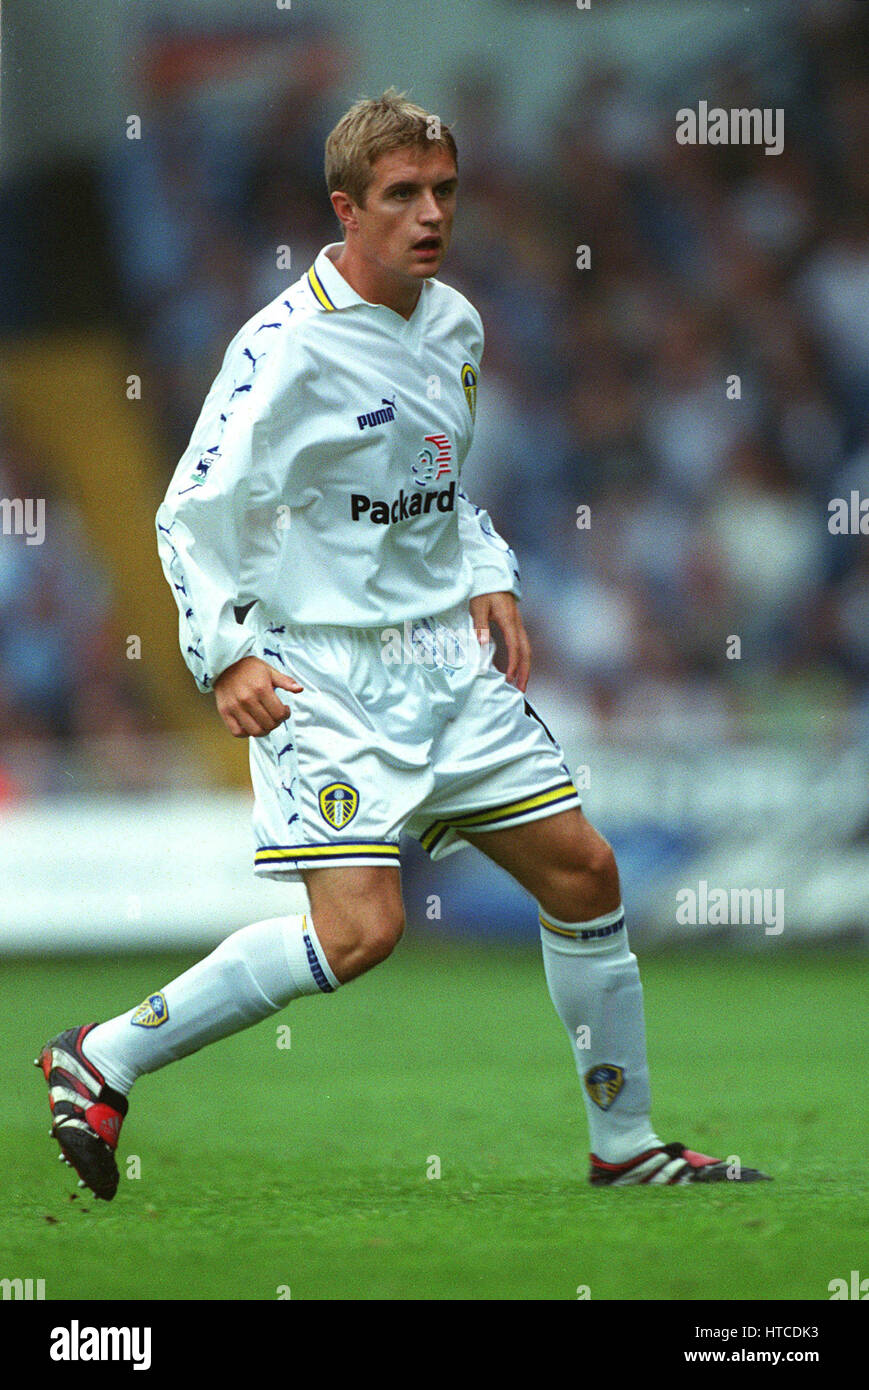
398 729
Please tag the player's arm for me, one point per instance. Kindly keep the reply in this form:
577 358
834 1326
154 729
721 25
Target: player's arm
496 585
502 611
226 475
496 588
246 699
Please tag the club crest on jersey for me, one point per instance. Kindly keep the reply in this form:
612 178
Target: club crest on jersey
433 462
339 803
151 1012
469 383
603 1084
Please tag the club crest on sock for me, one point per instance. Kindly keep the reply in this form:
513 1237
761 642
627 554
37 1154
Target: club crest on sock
151 1012
603 1083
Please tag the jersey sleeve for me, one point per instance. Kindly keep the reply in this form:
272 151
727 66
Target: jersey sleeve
494 564
220 519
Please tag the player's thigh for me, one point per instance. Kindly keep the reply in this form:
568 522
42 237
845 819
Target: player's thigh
557 853
352 903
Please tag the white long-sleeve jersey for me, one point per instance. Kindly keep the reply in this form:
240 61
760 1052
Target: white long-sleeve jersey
321 484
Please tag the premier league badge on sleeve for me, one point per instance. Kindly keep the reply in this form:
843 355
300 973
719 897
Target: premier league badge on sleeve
339 803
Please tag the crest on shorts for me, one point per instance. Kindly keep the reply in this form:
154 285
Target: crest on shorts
151 1012
469 382
603 1084
339 803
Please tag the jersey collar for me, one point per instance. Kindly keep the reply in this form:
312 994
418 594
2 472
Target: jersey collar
333 292
328 284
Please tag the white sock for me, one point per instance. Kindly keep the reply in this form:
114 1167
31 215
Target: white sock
594 982
252 974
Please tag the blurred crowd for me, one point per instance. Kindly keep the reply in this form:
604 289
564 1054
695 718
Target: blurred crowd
702 386
63 673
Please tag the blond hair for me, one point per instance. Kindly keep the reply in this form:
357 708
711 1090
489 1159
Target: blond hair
374 126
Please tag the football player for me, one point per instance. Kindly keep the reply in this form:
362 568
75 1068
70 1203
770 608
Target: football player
320 547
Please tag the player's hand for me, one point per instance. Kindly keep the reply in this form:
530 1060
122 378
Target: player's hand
503 611
246 699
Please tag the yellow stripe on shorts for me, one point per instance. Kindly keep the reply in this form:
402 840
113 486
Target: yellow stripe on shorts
284 854
495 814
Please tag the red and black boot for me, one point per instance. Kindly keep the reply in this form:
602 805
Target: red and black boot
670 1165
87 1113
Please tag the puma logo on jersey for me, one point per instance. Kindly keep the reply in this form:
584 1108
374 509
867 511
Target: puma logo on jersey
378 417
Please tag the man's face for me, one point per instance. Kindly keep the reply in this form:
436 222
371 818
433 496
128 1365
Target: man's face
406 223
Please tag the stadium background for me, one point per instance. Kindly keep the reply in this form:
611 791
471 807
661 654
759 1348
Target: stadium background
124 805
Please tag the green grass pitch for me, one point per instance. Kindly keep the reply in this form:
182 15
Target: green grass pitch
267 1168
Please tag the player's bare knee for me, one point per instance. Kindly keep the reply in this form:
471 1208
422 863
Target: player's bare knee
382 939
586 887
371 936
378 919
601 865
376 916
